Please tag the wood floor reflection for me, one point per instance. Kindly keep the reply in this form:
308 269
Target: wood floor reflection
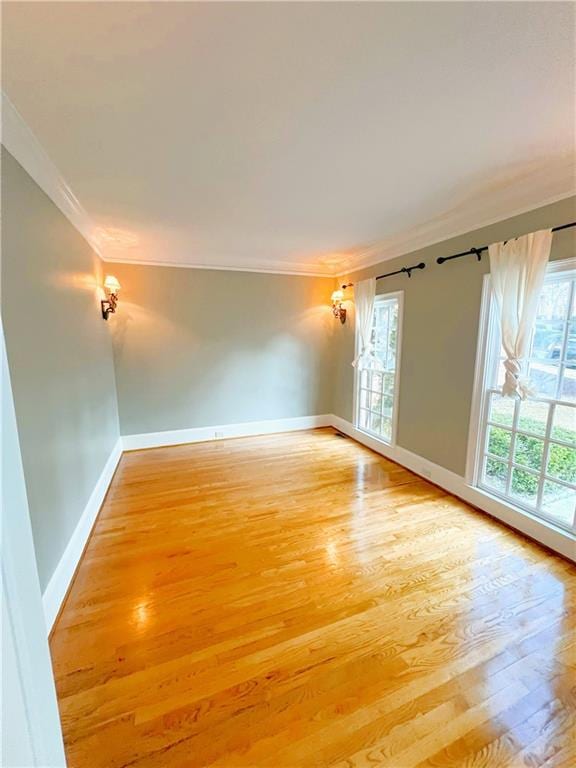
297 600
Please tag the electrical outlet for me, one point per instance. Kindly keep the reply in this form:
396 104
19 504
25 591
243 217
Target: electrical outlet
218 435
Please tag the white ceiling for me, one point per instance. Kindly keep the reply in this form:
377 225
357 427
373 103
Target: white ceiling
302 137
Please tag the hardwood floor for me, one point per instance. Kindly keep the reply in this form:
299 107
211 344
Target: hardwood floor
297 600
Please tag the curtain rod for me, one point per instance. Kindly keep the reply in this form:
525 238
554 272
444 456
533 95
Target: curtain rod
403 271
407 270
478 251
441 259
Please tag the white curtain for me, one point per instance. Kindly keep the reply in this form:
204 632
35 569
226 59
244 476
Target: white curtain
517 269
364 293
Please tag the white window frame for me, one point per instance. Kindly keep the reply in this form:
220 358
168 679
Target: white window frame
381 297
485 362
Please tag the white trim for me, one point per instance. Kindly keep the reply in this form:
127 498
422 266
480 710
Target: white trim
223 431
475 433
399 296
279 268
484 372
561 265
534 527
23 145
390 250
32 735
61 579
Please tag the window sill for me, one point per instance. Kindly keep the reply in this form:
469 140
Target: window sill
524 510
557 539
538 528
373 436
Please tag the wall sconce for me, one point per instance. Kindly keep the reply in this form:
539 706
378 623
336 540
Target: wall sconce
337 298
111 287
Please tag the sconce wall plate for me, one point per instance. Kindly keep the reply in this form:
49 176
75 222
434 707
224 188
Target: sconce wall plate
109 305
338 310
111 286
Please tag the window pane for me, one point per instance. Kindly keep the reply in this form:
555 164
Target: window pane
548 341
501 374
564 423
387 406
376 381
502 409
554 298
562 462
375 421
364 379
363 398
524 486
570 354
528 451
568 390
363 420
393 330
389 384
558 501
499 441
495 474
544 378
386 429
533 416
375 400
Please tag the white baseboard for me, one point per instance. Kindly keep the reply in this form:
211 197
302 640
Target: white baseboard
57 587
546 533
203 434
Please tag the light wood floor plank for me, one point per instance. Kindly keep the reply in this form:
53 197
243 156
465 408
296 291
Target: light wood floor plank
297 600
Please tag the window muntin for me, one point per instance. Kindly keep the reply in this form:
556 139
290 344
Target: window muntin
377 390
528 448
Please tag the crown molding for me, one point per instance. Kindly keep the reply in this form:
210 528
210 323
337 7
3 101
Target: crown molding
276 268
405 246
23 145
20 141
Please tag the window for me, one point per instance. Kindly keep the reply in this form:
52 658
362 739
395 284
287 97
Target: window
526 451
376 391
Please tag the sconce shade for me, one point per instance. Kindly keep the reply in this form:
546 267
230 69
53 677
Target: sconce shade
111 284
337 296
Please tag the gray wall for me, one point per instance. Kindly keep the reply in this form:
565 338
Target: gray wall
440 330
60 358
197 348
